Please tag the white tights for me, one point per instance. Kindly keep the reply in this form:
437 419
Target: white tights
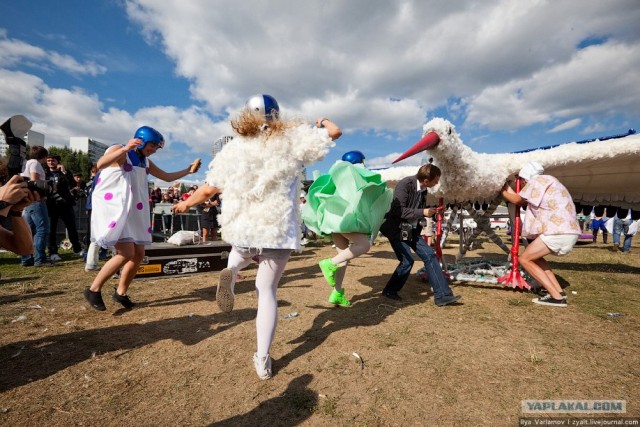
271 265
359 245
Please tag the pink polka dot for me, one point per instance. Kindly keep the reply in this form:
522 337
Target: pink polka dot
112 224
139 206
149 230
127 167
98 181
108 196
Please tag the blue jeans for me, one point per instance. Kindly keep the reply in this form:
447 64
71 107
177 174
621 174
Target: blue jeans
37 217
621 226
402 249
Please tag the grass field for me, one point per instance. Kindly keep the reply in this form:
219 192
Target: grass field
177 360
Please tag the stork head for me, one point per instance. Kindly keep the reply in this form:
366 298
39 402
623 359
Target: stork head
428 141
435 131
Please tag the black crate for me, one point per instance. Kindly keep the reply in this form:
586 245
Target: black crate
165 259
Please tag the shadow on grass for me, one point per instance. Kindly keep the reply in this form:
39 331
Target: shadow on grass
6 299
367 309
291 407
26 361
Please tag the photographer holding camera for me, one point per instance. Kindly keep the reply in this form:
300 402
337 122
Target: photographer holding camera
60 206
36 214
14 196
402 227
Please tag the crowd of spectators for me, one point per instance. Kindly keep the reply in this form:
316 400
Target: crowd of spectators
206 211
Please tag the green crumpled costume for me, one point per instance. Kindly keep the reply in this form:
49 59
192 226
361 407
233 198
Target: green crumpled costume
348 199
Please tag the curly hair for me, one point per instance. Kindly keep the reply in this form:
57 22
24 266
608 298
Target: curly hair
251 125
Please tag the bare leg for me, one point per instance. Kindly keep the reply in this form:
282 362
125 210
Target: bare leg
532 261
124 253
129 270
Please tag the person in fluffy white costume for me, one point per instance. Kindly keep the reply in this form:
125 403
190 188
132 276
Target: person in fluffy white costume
259 174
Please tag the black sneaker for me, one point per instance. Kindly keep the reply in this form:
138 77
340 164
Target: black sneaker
446 300
392 295
123 299
549 300
543 293
95 299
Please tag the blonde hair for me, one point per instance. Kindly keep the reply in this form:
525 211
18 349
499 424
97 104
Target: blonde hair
250 124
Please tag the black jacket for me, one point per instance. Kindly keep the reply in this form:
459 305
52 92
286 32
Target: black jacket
63 184
407 206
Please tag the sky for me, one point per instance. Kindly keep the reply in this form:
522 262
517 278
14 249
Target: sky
509 74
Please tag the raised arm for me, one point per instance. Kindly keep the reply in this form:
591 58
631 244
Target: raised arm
173 176
332 129
204 192
114 156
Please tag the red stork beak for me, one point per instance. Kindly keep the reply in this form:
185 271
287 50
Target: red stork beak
428 141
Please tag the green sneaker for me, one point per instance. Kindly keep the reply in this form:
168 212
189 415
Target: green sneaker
329 270
338 298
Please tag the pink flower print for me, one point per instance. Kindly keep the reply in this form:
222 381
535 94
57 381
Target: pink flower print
108 196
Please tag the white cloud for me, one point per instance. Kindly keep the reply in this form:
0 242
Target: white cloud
569 124
597 80
13 52
514 63
375 67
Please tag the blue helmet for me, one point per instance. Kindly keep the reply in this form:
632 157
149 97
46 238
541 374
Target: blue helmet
354 157
265 105
149 134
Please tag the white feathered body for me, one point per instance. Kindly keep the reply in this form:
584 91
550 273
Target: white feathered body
598 172
260 181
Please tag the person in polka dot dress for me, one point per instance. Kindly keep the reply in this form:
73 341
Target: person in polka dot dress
121 219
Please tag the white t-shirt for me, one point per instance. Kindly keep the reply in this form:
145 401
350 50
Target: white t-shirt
33 166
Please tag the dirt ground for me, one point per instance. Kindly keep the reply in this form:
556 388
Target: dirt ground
176 360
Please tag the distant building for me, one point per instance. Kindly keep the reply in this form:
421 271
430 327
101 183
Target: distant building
219 143
93 148
32 138
4 148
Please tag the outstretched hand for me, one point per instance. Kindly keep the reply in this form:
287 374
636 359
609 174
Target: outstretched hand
195 166
181 207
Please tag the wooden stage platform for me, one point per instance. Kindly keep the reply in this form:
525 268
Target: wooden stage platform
165 259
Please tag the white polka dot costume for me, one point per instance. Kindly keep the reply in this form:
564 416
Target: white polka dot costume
121 204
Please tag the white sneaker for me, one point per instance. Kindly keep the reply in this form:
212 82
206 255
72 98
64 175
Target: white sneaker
55 258
263 366
304 242
224 292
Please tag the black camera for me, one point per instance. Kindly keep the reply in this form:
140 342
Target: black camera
43 187
14 130
406 230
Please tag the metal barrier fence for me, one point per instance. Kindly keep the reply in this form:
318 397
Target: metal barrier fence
163 225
